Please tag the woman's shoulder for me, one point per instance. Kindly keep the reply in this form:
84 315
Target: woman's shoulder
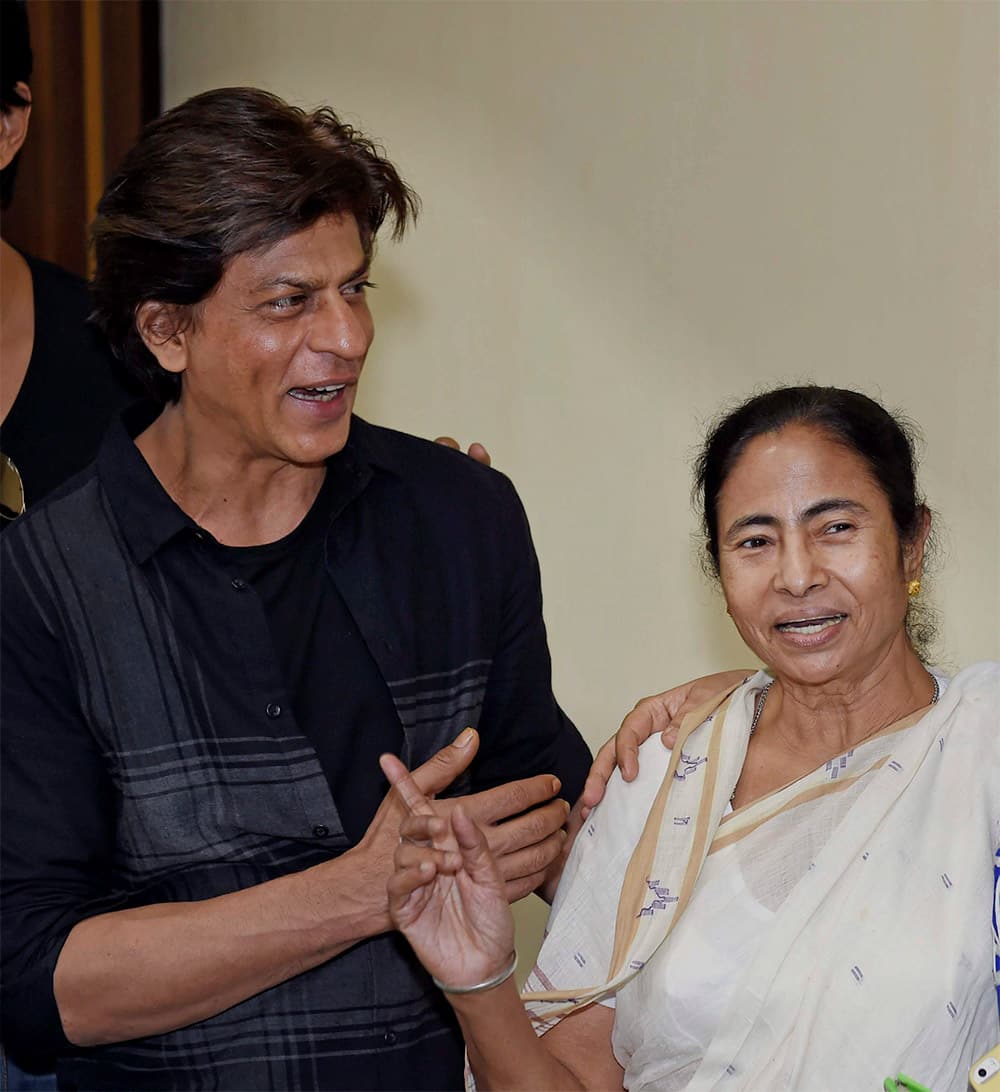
976 683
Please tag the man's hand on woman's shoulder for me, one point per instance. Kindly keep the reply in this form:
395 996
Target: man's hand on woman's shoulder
476 451
661 713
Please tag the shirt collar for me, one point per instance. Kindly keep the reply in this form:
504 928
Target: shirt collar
146 513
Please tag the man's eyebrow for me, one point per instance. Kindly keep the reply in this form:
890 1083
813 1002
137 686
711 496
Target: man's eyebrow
760 519
307 284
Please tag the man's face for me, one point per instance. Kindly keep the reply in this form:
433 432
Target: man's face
272 361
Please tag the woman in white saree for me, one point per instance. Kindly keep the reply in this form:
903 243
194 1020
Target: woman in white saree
798 895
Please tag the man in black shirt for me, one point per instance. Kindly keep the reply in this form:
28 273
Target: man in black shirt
211 635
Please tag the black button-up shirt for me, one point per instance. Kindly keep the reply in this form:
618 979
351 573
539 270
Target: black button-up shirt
150 752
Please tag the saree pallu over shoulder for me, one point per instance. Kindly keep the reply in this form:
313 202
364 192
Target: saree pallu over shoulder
879 955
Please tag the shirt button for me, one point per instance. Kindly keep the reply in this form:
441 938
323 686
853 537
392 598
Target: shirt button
273 710
389 1037
239 583
321 831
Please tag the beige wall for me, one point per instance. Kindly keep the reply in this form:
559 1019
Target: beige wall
637 212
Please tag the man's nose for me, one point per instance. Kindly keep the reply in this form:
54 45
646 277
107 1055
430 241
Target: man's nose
344 328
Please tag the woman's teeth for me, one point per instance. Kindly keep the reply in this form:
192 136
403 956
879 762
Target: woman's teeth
811 625
317 394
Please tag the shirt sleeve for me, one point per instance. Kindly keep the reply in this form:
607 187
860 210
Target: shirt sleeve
56 811
524 731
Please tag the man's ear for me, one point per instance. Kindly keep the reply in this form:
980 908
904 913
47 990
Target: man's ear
14 126
163 328
913 552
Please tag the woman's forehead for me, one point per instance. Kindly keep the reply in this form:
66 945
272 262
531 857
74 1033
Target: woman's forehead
794 468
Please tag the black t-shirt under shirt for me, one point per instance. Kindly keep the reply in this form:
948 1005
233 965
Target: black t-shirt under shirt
327 665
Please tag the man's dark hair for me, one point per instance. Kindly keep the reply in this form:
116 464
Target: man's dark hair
226 172
884 442
15 67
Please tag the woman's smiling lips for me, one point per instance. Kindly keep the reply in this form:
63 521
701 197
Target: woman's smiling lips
810 629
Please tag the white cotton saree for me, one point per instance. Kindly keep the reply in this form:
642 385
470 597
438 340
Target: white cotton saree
829 935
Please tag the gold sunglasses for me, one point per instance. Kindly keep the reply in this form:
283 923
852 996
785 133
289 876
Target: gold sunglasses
11 490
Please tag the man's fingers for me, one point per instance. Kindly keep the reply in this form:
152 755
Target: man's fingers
532 860
637 727
438 772
510 799
476 451
600 773
526 830
518 889
400 778
480 454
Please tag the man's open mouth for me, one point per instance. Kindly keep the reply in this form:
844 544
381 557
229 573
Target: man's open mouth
317 394
811 625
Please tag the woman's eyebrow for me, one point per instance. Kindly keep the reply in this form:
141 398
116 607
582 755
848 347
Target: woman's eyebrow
831 504
757 519
761 519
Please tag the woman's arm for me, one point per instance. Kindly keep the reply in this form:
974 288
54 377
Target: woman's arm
505 1052
446 896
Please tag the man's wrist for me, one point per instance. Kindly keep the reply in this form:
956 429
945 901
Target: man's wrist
351 899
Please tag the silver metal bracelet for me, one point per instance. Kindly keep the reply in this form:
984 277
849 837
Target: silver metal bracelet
480 986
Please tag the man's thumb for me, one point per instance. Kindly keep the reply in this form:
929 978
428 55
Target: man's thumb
438 772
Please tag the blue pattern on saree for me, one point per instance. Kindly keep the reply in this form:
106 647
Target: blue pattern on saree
996 923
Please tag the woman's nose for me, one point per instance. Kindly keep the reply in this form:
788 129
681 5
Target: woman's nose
798 568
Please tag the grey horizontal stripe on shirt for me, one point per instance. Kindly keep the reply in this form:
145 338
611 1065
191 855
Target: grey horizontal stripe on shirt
422 714
439 674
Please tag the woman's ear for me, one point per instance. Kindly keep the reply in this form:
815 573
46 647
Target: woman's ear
913 551
163 328
14 126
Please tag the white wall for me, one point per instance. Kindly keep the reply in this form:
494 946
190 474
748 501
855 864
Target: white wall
635 213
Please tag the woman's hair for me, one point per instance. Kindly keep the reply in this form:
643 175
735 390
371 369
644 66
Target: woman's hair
15 45
885 442
226 172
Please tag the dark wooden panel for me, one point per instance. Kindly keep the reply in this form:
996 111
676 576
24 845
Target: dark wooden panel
50 211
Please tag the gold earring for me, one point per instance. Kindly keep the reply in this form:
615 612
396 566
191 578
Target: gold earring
913 588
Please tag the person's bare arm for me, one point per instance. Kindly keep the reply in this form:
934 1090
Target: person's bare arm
505 1053
152 969
446 895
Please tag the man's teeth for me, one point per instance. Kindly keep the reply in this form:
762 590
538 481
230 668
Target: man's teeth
811 625
317 394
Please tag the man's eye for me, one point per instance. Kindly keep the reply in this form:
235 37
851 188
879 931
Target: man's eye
753 543
358 288
287 303
839 527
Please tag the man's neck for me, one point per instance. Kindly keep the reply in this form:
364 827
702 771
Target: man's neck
239 501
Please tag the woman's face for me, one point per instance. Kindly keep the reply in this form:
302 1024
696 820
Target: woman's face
812 568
